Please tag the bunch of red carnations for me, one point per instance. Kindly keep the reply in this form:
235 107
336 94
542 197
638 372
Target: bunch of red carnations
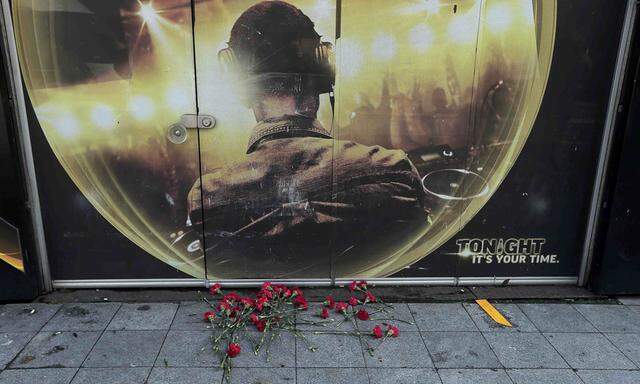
272 310
275 307
364 306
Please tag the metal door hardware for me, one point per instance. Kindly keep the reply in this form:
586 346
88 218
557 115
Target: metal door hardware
177 133
198 121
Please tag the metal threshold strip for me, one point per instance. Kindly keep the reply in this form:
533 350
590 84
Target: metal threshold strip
247 283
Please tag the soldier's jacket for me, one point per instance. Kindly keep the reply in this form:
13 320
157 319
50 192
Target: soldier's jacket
300 198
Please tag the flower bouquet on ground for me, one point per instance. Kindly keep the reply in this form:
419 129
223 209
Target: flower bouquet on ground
274 309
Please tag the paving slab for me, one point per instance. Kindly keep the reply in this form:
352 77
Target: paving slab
189 316
543 376
405 351
524 350
588 351
263 375
56 350
460 350
511 312
37 376
163 375
474 376
629 344
398 314
634 309
311 321
611 318
609 377
442 317
28 317
111 376
188 349
278 353
403 376
331 351
82 317
11 344
556 318
126 349
144 316
629 300
332 376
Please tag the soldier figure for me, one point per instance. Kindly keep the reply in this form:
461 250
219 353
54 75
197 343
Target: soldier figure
299 199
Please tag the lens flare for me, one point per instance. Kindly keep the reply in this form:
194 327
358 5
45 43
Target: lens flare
147 12
103 117
141 107
384 47
421 37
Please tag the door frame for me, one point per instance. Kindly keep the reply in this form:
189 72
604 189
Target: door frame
19 112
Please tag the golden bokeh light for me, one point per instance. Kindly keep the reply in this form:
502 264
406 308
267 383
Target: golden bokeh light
350 57
421 37
383 47
464 28
141 107
66 125
499 17
103 117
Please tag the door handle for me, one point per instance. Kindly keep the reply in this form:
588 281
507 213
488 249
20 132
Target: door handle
177 132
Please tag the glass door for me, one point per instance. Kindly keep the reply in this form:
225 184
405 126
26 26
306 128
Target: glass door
112 84
405 85
264 74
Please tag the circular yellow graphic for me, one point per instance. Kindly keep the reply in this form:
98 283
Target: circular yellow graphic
117 86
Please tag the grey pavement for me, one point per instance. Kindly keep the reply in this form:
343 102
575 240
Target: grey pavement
440 343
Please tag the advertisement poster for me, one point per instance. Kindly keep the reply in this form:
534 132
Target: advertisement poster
233 139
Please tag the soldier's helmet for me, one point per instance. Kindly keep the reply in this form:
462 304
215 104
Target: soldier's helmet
275 45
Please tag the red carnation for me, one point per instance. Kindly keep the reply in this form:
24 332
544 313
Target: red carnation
377 332
352 286
261 302
362 284
353 301
341 307
297 292
209 315
301 302
233 350
329 302
267 286
325 313
260 325
248 303
393 331
230 297
253 318
370 297
215 289
363 315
